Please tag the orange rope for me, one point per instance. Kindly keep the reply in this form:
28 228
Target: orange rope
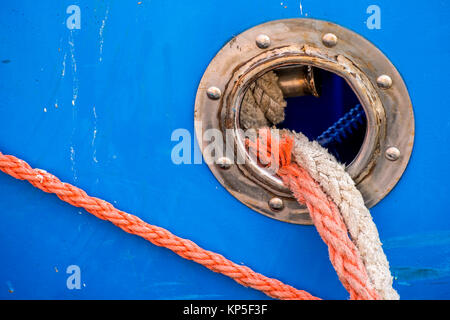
47 182
327 219
326 216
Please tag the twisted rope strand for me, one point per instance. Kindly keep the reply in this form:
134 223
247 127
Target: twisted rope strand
343 253
323 210
338 184
158 236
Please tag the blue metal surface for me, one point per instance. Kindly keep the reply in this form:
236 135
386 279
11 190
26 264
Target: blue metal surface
132 72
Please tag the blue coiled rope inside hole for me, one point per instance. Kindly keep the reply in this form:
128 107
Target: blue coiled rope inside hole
342 128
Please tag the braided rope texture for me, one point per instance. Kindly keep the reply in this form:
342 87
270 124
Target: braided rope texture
338 184
343 253
187 249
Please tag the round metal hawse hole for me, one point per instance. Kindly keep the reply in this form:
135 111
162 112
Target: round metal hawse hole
301 42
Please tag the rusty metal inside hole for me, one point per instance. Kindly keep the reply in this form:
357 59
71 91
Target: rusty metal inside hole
318 103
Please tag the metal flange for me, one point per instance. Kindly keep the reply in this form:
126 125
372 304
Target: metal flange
320 44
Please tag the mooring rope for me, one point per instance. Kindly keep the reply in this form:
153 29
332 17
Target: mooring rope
187 249
352 263
326 217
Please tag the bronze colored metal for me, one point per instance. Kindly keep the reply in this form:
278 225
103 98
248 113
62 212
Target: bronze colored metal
298 42
297 81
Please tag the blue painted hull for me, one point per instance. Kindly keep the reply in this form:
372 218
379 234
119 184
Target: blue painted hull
96 106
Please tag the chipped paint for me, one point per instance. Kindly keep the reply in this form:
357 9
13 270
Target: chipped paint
410 274
94 136
10 287
74 68
100 34
63 71
71 43
419 240
72 160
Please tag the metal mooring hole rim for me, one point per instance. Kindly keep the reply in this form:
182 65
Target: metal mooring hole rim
304 37
360 165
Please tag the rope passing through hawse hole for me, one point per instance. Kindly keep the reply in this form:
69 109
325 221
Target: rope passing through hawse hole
359 262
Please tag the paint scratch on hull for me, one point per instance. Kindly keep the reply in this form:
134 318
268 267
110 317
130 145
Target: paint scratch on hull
419 240
409 274
94 137
100 34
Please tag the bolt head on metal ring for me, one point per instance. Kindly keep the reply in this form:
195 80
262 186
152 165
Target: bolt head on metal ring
262 41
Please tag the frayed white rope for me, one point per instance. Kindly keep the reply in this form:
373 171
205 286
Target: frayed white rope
338 184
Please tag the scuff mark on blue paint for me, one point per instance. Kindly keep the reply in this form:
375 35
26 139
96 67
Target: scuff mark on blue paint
72 160
100 34
63 71
10 287
409 274
94 156
74 68
71 43
439 241
419 240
